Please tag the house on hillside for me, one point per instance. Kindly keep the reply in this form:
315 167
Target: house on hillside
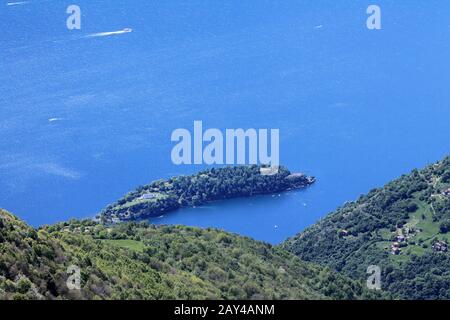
446 192
148 196
395 248
343 233
440 246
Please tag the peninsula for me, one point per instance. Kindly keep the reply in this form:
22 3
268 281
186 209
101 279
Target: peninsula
162 196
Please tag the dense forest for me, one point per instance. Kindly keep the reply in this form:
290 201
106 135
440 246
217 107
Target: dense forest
140 261
402 227
162 196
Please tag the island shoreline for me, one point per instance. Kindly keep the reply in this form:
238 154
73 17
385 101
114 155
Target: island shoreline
164 196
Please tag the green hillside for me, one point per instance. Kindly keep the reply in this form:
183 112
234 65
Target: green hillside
139 261
403 227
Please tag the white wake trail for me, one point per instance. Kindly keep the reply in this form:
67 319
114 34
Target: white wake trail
17 3
110 33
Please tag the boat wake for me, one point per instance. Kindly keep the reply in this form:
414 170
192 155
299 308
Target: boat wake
110 33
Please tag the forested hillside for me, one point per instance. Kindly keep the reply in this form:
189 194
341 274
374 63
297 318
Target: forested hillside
402 227
140 261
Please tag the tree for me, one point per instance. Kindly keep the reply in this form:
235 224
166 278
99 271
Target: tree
444 226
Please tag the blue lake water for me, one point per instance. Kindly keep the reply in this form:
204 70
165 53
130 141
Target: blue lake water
85 118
